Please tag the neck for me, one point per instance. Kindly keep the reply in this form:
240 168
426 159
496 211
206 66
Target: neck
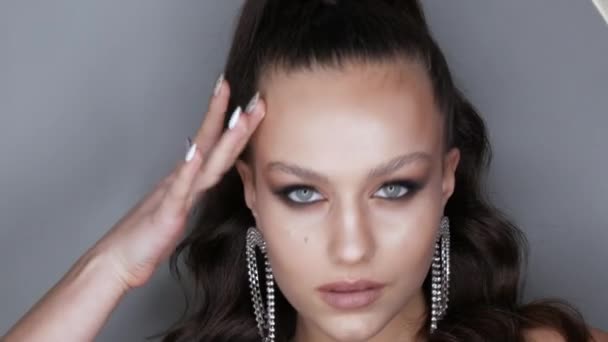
403 327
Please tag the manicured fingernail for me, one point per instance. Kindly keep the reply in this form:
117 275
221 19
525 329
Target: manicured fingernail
188 142
190 153
235 117
218 85
253 103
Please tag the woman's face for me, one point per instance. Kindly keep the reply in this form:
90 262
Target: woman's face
347 183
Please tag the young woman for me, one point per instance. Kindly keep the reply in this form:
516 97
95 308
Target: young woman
343 203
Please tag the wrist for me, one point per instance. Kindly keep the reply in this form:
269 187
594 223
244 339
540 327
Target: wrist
100 265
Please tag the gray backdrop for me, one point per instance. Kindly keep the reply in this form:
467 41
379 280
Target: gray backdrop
96 99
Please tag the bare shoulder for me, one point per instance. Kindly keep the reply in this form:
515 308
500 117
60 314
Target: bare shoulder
543 335
599 335
550 335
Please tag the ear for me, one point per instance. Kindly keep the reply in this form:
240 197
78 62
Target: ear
246 173
450 163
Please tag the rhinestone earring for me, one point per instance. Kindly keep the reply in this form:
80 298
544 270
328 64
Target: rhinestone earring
440 271
264 316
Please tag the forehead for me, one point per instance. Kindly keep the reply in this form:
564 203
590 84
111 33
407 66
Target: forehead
355 114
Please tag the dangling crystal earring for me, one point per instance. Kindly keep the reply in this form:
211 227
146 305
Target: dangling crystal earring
440 271
264 316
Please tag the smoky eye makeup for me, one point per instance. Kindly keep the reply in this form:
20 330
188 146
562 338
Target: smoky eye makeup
298 195
398 189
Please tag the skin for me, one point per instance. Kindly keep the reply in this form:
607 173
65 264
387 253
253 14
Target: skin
339 126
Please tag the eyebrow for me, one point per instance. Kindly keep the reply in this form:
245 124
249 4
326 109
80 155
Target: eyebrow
378 171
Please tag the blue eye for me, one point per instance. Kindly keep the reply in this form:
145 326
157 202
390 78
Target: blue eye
303 195
393 191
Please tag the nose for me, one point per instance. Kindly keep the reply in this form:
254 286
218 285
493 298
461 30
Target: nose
351 236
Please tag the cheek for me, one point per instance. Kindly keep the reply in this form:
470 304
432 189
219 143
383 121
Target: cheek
295 248
406 241
409 229
299 265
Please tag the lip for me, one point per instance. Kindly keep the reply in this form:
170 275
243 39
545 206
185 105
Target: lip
351 295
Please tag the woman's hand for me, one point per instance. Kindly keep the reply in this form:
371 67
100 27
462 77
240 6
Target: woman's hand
77 306
148 233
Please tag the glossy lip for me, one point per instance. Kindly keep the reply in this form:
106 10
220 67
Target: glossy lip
351 295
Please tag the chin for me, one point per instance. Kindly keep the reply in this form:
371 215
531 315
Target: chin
352 328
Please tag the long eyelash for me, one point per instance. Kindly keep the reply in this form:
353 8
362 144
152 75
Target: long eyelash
411 186
286 190
283 194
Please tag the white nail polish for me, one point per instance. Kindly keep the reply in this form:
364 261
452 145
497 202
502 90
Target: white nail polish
190 153
253 103
234 118
218 85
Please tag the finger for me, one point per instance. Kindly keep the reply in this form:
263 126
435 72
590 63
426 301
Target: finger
212 125
230 145
173 204
255 112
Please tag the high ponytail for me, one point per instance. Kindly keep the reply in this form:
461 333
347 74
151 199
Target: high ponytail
410 8
488 252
